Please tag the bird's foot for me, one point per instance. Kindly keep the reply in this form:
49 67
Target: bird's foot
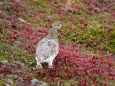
39 66
50 66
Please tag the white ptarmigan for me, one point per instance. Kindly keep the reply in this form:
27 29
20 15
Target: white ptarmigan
48 48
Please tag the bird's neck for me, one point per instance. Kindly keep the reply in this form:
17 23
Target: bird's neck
52 33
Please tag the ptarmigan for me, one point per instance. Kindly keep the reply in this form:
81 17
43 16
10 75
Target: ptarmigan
48 48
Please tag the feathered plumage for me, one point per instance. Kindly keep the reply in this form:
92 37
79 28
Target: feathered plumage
48 48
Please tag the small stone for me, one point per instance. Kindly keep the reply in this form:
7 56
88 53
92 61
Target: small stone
7 85
38 83
4 62
18 63
10 81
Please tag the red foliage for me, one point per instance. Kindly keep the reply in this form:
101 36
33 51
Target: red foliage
24 75
72 64
60 12
42 15
105 27
1 16
48 26
4 70
72 20
69 63
16 4
1 29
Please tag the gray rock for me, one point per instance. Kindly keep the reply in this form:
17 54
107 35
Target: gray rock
7 85
4 62
10 81
38 83
18 63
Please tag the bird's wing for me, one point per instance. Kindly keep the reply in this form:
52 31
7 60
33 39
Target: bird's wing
47 47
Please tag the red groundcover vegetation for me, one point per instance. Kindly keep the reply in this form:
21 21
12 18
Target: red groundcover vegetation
74 63
70 63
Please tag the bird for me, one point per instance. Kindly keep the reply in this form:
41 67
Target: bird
47 49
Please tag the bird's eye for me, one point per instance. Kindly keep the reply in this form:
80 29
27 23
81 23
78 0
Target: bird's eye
58 25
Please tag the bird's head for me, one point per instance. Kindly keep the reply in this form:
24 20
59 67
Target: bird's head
56 26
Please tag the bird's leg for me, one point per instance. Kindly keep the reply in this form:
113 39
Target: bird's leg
39 66
50 63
